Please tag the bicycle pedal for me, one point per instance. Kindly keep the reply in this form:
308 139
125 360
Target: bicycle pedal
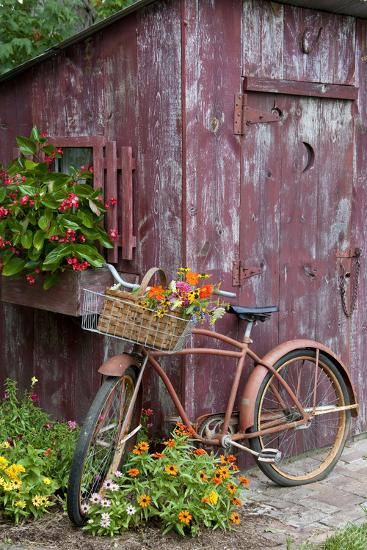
270 455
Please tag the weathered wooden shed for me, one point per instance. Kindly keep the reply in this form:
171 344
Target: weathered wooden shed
242 127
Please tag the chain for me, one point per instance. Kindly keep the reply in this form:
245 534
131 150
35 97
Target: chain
353 302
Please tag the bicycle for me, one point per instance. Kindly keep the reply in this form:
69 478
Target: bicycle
294 412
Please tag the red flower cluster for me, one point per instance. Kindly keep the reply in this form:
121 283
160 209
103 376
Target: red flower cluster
77 266
71 202
113 233
111 202
3 212
30 279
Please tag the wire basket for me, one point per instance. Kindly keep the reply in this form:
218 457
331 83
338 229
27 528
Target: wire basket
115 313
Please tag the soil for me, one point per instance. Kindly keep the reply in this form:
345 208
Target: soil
54 531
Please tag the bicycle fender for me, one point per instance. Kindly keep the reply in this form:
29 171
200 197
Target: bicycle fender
117 365
248 399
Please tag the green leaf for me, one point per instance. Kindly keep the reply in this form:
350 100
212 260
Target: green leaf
94 208
35 135
27 239
85 190
50 203
43 223
26 146
34 254
103 238
38 239
69 224
30 165
28 189
50 280
86 218
32 264
90 254
2 194
57 254
14 266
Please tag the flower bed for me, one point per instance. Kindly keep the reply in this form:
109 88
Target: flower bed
35 454
184 487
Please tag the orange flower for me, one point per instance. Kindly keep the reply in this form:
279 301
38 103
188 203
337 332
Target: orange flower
170 443
200 452
227 459
156 292
144 501
158 455
231 488
217 478
237 502
244 481
183 430
235 518
203 476
234 467
140 448
206 291
133 472
223 471
192 278
205 500
171 469
185 516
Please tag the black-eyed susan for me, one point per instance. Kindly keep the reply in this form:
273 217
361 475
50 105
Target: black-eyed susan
171 469
144 501
235 518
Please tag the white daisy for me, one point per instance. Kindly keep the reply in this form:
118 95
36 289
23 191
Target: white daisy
130 510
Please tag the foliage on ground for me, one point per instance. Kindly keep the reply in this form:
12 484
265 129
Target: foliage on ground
35 454
352 537
29 27
182 487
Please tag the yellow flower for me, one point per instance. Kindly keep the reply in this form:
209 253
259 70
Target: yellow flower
213 497
37 501
5 445
8 486
2 481
34 380
44 500
20 504
47 481
144 501
17 483
171 469
13 470
3 462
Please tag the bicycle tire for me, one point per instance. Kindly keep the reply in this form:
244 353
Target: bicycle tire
326 433
93 457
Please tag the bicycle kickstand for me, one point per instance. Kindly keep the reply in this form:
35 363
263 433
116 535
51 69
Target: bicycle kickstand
265 455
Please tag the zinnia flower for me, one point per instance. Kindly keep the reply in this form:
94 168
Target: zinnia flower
235 518
244 481
133 472
200 452
171 469
144 501
206 291
170 443
185 517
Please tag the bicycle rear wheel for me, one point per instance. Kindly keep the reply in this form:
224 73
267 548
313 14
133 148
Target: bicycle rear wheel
96 453
309 452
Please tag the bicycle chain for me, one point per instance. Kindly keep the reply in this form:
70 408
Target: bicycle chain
353 302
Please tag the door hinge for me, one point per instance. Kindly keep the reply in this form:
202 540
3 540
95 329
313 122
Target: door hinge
349 253
240 273
244 115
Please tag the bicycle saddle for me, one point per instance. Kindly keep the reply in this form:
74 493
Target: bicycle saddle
252 314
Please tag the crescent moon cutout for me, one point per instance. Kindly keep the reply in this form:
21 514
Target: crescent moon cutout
310 156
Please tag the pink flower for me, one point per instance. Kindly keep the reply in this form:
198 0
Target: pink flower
3 212
113 201
44 134
34 397
24 200
30 280
148 412
184 287
82 239
72 424
113 233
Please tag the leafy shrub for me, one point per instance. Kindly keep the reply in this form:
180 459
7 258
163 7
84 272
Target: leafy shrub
183 487
49 221
35 454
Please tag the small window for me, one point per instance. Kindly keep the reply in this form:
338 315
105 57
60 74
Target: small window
74 157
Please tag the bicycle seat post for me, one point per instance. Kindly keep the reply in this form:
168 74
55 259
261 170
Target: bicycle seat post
246 336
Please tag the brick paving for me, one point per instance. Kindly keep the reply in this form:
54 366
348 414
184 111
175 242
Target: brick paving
312 512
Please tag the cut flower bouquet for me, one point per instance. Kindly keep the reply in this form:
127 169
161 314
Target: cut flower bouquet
188 296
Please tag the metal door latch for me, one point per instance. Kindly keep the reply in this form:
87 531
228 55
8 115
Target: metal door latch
240 273
244 115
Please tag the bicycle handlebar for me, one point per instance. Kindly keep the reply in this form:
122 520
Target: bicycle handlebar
133 286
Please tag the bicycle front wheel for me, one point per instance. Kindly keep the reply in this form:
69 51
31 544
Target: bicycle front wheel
310 451
97 455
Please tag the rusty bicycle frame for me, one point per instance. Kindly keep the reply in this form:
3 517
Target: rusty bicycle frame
117 365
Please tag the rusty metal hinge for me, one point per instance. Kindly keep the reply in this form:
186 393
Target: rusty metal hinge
349 253
244 115
240 273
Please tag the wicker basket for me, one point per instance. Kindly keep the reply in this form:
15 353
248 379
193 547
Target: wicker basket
123 317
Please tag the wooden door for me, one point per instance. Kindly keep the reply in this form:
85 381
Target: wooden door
296 185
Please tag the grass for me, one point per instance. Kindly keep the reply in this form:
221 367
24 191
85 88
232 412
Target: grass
352 537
